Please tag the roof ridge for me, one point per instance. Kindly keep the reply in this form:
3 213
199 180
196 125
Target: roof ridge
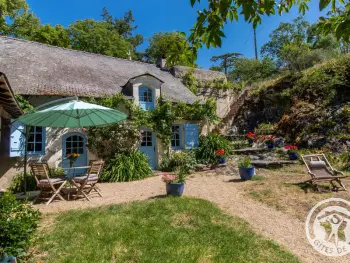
75 50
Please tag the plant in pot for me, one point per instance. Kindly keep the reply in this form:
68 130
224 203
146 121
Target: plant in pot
269 141
175 184
222 156
246 169
292 151
72 158
251 138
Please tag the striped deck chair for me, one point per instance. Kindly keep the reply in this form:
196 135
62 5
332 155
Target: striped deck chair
322 171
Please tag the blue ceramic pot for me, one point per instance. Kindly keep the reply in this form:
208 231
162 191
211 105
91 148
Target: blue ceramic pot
222 160
270 145
246 173
175 189
293 156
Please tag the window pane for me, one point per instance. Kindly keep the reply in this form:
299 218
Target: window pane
75 138
75 144
143 143
149 143
81 150
80 139
31 130
39 129
68 145
38 137
68 151
81 144
38 147
31 138
30 147
69 139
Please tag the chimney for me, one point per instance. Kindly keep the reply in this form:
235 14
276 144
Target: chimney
161 63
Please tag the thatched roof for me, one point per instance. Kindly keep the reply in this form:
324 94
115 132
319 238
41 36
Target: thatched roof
7 99
38 69
200 74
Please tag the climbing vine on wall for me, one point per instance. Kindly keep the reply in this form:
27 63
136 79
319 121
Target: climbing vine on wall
109 140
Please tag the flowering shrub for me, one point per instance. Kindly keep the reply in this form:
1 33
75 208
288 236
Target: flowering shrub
169 178
221 153
250 135
268 139
291 149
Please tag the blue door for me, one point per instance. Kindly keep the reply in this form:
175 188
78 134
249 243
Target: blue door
146 98
148 146
74 143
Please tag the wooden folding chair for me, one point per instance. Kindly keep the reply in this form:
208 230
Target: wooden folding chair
88 183
321 170
47 185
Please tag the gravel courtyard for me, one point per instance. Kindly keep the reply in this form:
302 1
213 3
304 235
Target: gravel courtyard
226 192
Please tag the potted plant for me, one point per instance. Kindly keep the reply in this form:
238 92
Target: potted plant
269 140
292 151
251 137
246 170
72 157
175 184
222 156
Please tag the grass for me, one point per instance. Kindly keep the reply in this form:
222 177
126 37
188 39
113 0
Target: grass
160 230
284 189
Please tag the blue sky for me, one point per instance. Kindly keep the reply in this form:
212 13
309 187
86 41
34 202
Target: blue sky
164 15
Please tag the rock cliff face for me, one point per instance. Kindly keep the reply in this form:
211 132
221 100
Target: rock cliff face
311 107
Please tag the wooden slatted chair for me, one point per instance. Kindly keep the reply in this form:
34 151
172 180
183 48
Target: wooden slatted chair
322 171
88 183
47 185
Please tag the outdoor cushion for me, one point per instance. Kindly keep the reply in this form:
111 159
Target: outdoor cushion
317 164
52 180
82 178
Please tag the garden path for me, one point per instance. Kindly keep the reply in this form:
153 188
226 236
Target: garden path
227 193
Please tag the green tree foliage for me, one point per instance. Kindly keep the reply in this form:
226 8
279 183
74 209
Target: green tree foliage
226 62
299 45
96 37
250 70
170 45
11 9
123 26
212 20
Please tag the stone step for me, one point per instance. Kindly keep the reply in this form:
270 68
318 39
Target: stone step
276 163
250 150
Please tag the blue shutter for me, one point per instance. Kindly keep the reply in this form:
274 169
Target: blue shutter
17 139
191 136
44 140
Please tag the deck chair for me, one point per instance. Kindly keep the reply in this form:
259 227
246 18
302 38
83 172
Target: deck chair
322 171
47 185
88 183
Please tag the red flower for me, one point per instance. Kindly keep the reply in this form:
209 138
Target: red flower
220 152
250 135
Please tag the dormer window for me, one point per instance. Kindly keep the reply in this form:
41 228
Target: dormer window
146 98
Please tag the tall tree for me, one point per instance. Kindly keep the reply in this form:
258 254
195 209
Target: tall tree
226 62
123 26
96 37
251 70
164 43
285 34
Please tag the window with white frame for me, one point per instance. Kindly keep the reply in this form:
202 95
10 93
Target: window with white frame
176 137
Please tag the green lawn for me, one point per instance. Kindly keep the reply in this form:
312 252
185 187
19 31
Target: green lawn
161 230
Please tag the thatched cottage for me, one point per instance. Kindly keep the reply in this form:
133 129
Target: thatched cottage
44 73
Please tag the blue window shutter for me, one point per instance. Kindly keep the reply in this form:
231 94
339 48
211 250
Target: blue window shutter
44 140
191 136
17 139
